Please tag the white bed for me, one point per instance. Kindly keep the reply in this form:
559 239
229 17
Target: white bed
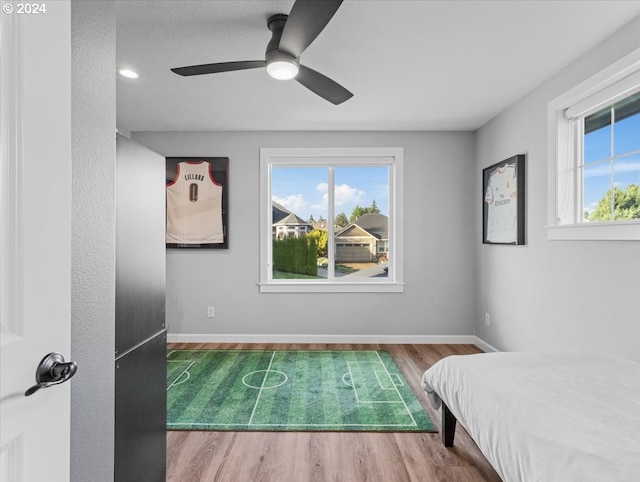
544 416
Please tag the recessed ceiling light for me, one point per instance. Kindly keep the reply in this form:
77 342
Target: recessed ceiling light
129 74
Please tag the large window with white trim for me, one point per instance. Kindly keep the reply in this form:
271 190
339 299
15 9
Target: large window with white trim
594 157
331 219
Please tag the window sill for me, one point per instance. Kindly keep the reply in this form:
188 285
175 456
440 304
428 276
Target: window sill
627 231
298 287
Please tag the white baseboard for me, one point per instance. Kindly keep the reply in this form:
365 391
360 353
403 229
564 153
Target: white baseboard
325 339
484 346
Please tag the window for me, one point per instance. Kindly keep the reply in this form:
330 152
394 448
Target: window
611 162
594 155
343 212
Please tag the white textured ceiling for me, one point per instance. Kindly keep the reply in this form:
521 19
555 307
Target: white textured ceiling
412 65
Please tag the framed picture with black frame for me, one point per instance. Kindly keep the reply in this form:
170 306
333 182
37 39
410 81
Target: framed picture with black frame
197 202
503 205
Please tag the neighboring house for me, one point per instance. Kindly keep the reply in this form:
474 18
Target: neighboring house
286 224
324 226
364 240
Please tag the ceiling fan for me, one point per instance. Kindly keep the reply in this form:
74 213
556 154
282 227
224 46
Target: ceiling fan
290 36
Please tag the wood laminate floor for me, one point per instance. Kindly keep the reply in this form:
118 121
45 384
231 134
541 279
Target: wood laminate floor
331 456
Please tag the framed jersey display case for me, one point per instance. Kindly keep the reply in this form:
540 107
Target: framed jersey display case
197 202
503 206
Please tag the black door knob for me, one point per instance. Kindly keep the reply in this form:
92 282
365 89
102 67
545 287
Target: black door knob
52 370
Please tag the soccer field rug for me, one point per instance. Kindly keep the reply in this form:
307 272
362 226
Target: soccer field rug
290 390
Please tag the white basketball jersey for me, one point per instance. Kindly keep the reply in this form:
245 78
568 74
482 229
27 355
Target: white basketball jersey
194 205
501 198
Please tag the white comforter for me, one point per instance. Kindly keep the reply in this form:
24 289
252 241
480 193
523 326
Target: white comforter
546 416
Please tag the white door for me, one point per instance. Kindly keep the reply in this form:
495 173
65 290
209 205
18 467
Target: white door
35 237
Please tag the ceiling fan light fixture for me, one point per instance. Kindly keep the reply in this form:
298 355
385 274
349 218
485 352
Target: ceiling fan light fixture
290 36
282 69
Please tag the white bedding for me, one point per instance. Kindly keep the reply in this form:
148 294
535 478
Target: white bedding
546 416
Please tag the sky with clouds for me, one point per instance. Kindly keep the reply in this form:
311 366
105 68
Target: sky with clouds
606 165
305 190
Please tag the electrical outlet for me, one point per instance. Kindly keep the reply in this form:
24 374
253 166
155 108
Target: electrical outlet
210 312
487 319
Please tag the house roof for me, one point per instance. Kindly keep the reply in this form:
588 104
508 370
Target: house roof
279 212
292 220
375 224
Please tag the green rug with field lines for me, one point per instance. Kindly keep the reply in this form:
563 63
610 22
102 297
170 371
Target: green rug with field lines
290 390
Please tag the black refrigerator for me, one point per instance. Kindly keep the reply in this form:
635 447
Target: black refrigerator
140 351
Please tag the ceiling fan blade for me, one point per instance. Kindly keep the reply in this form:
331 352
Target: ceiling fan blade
219 67
307 19
323 86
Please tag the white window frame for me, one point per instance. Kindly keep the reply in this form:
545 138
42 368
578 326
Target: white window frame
333 157
565 137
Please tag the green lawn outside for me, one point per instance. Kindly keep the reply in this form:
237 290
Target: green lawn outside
283 275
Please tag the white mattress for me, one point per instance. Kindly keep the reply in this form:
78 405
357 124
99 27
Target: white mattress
546 416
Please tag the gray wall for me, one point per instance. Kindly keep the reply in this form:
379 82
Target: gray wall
555 295
93 239
439 239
